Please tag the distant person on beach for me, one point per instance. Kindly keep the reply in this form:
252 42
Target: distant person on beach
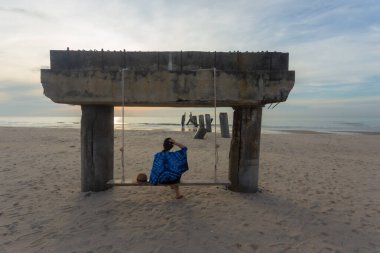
168 167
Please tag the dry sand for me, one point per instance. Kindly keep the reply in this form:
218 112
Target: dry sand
320 193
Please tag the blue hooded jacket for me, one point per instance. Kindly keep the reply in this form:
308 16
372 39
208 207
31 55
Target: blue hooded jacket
168 167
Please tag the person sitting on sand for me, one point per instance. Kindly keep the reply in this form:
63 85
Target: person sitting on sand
168 167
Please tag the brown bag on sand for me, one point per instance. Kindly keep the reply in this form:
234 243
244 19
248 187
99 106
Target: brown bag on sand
142 178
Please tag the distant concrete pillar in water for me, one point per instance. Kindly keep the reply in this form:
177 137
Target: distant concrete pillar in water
245 149
224 128
194 120
208 123
200 134
97 136
201 121
183 119
201 130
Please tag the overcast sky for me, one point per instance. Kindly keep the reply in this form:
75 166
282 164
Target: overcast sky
334 46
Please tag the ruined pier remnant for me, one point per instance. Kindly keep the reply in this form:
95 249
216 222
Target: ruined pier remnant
208 122
201 132
92 79
223 122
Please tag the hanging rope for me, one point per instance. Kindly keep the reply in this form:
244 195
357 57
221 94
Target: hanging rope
122 103
216 145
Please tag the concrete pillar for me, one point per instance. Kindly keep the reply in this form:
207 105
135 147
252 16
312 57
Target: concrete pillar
201 130
245 149
97 136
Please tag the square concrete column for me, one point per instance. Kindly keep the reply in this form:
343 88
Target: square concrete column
245 149
97 137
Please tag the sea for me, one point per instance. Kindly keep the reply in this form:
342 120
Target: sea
171 123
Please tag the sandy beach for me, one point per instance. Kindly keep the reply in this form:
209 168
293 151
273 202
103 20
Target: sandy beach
319 193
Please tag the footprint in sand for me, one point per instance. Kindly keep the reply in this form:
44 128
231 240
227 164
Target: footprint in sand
105 248
324 234
254 247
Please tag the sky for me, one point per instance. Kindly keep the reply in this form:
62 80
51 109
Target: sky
334 46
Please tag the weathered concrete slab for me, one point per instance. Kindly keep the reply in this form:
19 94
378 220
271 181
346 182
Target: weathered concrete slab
156 61
163 88
167 78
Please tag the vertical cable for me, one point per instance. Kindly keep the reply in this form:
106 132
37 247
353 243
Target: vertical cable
216 152
122 149
215 143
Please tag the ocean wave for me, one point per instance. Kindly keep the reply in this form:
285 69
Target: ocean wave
171 124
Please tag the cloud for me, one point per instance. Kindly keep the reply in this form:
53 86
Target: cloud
21 91
27 100
26 13
333 45
320 108
335 102
61 109
375 29
5 97
336 60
